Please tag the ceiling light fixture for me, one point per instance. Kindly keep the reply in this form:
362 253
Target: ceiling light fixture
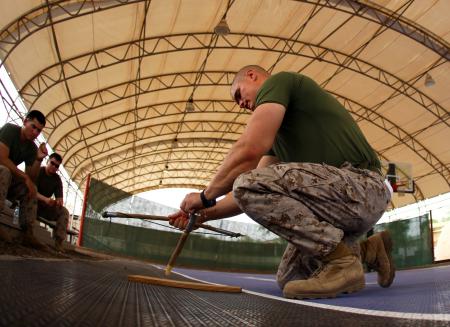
429 81
190 105
222 28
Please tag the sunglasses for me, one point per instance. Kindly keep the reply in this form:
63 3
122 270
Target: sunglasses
33 126
54 164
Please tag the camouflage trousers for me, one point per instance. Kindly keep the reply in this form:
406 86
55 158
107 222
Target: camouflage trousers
312 206
14 189
58 214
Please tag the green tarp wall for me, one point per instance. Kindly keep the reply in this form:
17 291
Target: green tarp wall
198 251
412 241
412 246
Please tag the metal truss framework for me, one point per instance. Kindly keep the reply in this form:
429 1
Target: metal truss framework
63 10
104 58
167 129
99 142
359 111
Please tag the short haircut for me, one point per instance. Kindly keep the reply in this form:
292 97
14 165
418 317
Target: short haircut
245 69
36 114
56 156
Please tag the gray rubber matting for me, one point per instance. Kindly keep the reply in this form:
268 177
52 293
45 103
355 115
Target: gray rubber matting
97 293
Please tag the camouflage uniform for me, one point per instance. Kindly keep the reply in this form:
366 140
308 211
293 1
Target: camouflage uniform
14 189
313 207
58 214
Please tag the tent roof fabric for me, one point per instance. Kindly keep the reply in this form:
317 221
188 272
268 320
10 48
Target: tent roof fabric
113 78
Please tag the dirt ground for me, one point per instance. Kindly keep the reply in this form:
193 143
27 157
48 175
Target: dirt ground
16 249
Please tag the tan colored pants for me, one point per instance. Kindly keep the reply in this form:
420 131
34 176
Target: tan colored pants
14 189
313 207
58 214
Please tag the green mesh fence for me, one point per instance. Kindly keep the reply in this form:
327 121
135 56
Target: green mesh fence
199 251
412 241
412 246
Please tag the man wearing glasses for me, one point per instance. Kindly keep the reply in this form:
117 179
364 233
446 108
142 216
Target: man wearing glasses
49 184
17 146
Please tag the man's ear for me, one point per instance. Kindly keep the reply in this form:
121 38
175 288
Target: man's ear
251 74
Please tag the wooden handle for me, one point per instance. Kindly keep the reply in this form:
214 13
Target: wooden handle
183 284
176 252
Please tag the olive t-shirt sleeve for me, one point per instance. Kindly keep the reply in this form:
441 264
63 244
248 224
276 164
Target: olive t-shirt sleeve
7 135
18 151
276 89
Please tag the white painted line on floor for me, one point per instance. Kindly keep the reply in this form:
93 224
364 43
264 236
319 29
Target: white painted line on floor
263 279
379 313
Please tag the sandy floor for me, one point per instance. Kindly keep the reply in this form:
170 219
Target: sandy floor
14 249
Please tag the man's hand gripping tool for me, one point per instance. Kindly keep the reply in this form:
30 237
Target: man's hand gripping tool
190 226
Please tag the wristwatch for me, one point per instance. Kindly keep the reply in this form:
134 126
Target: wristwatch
207 203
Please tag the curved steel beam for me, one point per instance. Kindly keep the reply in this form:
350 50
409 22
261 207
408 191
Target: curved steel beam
111 95
151 188
397 132
156 185
38 18
118 178
158 170
42 17
195 154
144 113
383 123
160 131
215 149
389 19
418 195
106 57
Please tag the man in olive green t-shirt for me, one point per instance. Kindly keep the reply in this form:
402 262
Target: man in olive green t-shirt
48 185
17 146
303 169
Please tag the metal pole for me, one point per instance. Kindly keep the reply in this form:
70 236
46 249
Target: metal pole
109 214
432 236
83 211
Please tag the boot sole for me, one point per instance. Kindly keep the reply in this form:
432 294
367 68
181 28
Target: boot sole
350 289
387 243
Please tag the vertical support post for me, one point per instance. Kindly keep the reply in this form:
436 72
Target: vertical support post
66 198
432 236
83 210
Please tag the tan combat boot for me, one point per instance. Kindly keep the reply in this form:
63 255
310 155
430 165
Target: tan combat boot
376 254
342 273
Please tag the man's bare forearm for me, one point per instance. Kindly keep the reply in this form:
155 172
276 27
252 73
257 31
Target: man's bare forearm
254 142
33 170
241 158
12 167
224 208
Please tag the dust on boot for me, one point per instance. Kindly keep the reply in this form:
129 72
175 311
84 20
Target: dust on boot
342 272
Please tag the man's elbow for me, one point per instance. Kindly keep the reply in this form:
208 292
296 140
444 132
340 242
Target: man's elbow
254 153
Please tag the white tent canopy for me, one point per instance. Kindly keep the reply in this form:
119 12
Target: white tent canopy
113 78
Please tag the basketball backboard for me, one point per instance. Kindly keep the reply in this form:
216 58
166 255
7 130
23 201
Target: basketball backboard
399 174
